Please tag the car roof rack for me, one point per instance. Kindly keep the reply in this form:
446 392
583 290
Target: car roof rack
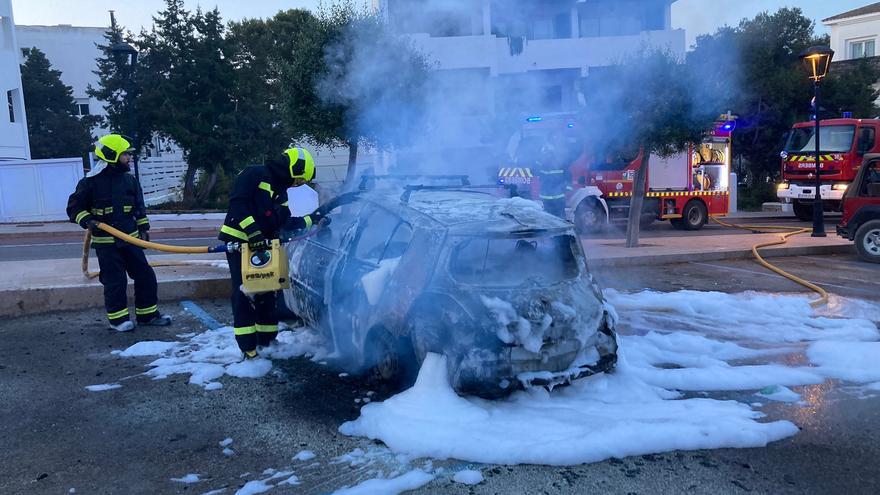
408 190
368 181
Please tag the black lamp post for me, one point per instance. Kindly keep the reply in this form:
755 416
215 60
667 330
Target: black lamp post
817 59
128 55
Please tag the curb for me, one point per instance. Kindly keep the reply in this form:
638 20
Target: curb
22 302
739 254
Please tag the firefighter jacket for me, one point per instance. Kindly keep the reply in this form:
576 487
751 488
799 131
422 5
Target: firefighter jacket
258 208
113 197
554 176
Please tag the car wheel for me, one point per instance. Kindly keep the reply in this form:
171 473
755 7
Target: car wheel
694 215
868 241
803 212
589 217
390 361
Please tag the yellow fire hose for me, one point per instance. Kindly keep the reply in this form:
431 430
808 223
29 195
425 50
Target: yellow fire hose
787 232
146 245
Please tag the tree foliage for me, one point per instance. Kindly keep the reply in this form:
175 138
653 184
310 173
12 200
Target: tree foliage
349 81
54 127
645 100
768 88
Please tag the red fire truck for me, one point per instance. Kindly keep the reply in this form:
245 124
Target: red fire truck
844 143
685 189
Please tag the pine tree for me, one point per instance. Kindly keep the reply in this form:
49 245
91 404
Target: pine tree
118 87
55 129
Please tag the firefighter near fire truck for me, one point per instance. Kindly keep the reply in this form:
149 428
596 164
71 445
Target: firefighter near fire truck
554 174
114 197
258 212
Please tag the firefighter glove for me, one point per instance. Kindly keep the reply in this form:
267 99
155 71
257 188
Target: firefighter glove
92 225
144 235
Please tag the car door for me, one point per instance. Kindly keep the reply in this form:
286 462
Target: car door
312 262
349 305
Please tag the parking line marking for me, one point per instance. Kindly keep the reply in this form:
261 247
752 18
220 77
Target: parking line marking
201 314
845 262
755 272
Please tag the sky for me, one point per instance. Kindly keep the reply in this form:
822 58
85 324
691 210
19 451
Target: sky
695 16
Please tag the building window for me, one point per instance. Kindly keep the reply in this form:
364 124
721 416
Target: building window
82 108
861 49
621 17
10 101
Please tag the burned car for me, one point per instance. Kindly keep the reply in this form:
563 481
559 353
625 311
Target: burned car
496 284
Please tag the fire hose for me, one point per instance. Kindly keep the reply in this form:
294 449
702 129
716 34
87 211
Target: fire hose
167 248
221 248
785 232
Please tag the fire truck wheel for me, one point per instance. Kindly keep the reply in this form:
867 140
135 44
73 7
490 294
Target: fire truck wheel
868 241
589 217
694 215
803 212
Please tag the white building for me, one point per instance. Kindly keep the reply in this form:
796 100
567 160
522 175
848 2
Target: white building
528 56
71 50
13 122
854 34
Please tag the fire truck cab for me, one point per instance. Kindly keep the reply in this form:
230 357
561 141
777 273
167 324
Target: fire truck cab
844 142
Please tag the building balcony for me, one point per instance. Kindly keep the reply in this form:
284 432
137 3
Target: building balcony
494 53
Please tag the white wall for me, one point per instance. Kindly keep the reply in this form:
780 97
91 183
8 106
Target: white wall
13 128
845 31
37 190
72 50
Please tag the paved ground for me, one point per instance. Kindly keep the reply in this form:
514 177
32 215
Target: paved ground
57 436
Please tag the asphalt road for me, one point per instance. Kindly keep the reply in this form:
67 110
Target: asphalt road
57 436
64 247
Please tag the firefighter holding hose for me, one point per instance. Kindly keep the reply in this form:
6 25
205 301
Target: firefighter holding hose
258 211
114 197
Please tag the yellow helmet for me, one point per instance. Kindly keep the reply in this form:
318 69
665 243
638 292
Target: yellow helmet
301 164
111 146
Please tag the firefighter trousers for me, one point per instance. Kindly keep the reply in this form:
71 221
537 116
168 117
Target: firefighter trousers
255 322
117 261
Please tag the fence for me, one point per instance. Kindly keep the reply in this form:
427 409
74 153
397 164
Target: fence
37 190
162 179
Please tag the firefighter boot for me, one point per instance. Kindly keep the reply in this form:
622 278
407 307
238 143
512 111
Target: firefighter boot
158 320
125 326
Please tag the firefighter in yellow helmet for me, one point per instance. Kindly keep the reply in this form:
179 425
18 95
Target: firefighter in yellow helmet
114 197
258 211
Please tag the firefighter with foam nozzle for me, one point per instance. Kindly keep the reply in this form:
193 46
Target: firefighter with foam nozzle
554 175
258 212
114 197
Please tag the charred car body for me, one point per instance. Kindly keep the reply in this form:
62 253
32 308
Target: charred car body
497 285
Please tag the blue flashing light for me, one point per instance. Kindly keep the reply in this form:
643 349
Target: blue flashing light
534 119
847 115
571 126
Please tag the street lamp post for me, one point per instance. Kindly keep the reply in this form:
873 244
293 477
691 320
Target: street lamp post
817 59
129 54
